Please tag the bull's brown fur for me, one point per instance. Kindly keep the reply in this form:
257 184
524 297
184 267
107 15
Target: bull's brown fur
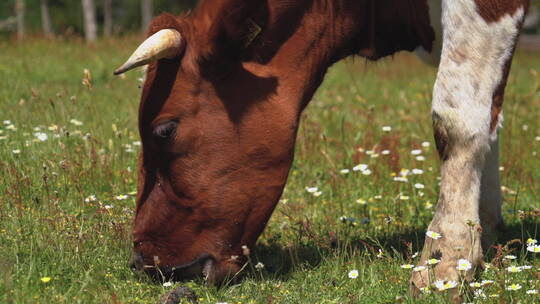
494 10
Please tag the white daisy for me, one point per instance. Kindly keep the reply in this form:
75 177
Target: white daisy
434 235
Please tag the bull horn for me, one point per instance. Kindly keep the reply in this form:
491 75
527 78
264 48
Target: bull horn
166 43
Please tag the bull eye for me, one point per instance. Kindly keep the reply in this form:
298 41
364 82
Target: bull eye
165 130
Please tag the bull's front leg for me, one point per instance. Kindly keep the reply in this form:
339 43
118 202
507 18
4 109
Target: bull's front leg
478 45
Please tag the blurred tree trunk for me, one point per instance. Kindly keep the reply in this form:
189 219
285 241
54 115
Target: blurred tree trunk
90 26
108 18
46 19
147 12
19 13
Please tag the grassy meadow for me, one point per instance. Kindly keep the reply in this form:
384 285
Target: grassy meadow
68 149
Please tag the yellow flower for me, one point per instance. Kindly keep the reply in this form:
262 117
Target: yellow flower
45 279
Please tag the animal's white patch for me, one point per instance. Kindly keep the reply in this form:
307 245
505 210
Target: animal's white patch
433 57
473 58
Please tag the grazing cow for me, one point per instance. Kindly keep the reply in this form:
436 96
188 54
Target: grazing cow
222 99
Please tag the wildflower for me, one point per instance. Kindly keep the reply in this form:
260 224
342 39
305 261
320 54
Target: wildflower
463 265
407 266
420 158
514 287
45 279
361 201
404 172
136 143
531 241
532 291
414 255
486 282
317 194
7 122
433 261
353 274
428 205
416 171
16 151
442 285
11 127
419 186
479 293
475 284
312 189
259 266
345 171
419 268
425 290
108 207
76 122
514 269
121 197
434 235
385 152
167 284
534 248
400 179
360 167
41 136
416 152
387 128
403 197
91 198
366 172
526 267
510 257
426 144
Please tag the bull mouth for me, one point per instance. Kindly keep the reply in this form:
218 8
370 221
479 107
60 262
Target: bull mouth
202 266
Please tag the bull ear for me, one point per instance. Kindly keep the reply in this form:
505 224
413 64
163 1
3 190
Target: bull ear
230 27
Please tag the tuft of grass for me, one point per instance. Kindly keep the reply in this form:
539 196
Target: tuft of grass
68 149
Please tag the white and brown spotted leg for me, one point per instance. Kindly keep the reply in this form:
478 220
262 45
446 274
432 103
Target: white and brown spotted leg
478 44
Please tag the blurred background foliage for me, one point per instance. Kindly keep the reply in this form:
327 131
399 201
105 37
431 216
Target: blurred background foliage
67 15
67 18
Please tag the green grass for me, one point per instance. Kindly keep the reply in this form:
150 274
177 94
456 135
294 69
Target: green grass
48 230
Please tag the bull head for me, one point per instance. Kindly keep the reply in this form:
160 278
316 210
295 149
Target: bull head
218 119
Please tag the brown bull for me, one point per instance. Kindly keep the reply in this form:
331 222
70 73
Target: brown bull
222 99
